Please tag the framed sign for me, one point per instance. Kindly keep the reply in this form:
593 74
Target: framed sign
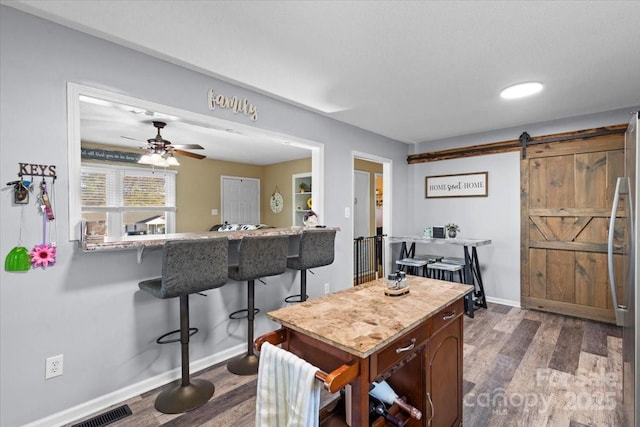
461 185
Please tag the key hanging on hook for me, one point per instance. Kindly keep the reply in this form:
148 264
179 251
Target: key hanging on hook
46 203
20 193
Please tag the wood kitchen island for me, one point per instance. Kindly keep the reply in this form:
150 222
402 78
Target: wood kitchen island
413 341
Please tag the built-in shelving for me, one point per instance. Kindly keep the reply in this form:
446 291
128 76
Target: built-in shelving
301 197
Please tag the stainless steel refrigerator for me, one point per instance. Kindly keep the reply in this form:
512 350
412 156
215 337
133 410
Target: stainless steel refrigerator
623 270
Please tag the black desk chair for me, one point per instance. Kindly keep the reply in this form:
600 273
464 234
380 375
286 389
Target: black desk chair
188 266
316 250
258 256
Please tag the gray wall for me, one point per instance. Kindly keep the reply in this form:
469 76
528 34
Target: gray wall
88 306
496 217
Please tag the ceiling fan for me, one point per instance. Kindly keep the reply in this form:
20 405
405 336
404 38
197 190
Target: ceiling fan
160 151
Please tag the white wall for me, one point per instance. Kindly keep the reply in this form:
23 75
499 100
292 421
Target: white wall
496 217
88 306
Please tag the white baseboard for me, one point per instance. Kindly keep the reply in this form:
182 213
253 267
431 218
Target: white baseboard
503 302
103 402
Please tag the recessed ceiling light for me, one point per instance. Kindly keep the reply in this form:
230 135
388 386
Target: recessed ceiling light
520 90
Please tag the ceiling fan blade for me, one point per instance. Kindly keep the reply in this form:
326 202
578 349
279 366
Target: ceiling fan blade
133 139
188 146
189 154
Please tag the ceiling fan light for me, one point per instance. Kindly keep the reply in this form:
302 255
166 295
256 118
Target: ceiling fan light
145 159
521 90
155 159
161 162
172 161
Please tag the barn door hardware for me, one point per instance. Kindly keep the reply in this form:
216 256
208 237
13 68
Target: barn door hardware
525 139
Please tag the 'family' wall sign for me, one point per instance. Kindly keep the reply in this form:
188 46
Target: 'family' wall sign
462 185
232 103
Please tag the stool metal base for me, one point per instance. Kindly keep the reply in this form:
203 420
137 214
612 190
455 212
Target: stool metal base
183 398
293 299
162 339
244 365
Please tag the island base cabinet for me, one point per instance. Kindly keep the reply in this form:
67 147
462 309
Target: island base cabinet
444 376
409 383
422 363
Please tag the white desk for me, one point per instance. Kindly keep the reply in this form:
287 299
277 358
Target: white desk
471 267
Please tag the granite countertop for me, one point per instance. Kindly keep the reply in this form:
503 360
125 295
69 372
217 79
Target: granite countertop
362 320
156 240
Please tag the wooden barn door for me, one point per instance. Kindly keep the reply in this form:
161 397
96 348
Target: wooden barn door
567 192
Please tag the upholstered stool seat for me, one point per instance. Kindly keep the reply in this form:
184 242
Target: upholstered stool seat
316 250
412 265
188 266
258 256
443 271
456 261
429 258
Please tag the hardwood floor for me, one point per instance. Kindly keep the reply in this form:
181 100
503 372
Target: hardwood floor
521 368
529 368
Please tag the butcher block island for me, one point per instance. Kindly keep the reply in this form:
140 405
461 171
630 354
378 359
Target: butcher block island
412 341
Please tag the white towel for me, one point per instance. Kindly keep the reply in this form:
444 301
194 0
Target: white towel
288 394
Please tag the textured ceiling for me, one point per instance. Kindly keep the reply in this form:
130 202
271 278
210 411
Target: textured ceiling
413 71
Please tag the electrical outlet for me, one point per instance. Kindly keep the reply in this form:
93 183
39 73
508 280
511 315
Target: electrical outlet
54 366
326 288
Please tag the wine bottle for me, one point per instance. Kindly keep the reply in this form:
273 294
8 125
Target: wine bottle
376 407
383 392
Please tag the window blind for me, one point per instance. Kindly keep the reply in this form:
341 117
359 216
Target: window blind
122 187
129 198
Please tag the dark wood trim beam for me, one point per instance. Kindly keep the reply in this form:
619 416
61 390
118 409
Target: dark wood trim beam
513 145
594 212
574 246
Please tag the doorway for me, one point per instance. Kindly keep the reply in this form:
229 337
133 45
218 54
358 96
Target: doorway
371 219
361 204
379 193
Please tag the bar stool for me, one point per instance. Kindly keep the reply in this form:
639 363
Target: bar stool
188 266
316 250
412 265
456 261
443 271
429 258
258 256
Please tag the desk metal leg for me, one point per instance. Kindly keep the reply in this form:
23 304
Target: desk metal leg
481 299
469 305
474 278
404 253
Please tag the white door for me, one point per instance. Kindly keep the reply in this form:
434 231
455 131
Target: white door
361 204
240 200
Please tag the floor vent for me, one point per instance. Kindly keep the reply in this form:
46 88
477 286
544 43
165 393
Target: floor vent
108 417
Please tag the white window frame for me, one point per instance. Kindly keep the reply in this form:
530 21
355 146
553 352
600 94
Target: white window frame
115 199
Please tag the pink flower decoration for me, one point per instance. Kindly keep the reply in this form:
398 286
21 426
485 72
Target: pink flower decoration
43 255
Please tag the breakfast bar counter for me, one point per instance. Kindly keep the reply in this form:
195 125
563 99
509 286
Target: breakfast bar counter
140 242
156 240
413 341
